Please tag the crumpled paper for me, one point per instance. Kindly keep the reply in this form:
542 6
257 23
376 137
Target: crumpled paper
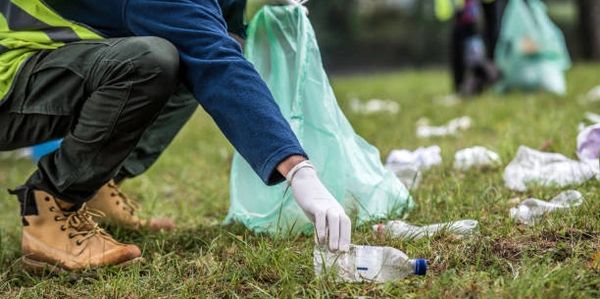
546 169
531 209
592 96
476 157
593 117
424 130
374 106
409 165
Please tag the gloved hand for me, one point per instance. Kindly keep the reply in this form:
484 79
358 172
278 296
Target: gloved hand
331 222
253 6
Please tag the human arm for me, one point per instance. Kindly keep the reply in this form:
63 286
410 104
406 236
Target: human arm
221 79
232 92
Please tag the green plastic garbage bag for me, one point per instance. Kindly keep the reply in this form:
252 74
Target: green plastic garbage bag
531 50
282 45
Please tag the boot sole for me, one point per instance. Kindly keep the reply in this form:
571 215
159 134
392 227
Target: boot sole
37 267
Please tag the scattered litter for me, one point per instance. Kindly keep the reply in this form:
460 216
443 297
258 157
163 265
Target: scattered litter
476 157
531 209
423 157
424 130
546 169
408 165
404 230
588 144
592 96
374 106
593 117
448 101
367 264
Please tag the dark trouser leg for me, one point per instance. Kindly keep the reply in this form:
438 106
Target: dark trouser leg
101 97
492 13
457 56
180 107
460 34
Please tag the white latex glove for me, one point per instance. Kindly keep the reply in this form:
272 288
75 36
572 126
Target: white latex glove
253 6
331 222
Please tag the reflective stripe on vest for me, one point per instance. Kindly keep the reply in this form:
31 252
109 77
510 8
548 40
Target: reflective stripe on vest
20 20
444 9
27 27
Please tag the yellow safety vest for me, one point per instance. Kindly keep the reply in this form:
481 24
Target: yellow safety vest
26 27
444 9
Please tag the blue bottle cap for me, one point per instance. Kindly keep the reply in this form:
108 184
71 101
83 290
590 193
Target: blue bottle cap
420 266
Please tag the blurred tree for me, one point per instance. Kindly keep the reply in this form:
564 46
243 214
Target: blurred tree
371 35
589 27
334 20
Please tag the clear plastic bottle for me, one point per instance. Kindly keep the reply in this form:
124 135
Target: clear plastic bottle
404 230
531 209
367 263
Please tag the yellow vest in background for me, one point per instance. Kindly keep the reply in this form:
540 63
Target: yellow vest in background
26 27
444 9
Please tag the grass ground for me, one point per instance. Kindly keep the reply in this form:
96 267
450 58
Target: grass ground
203 259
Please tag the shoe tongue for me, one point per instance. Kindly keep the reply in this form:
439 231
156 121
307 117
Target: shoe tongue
66 206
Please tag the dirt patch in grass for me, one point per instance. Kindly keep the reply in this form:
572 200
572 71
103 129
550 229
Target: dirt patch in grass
559 244
570 235
508 249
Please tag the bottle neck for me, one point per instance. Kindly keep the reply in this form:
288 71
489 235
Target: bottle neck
419 266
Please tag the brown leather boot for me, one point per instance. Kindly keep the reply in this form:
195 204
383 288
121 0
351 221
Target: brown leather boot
122 211
59 240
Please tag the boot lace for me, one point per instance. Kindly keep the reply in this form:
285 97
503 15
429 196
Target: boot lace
128 204
81 221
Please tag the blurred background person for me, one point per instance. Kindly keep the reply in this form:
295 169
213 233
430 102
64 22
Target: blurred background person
470 60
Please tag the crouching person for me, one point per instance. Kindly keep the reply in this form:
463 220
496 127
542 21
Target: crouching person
112 100
103 96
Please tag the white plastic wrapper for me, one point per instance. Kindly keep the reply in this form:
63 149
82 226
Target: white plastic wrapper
593 117
448 100
404 230
374 106
476 157
588 144
367 263
546 169
593 95
409 165
531 209
424 130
